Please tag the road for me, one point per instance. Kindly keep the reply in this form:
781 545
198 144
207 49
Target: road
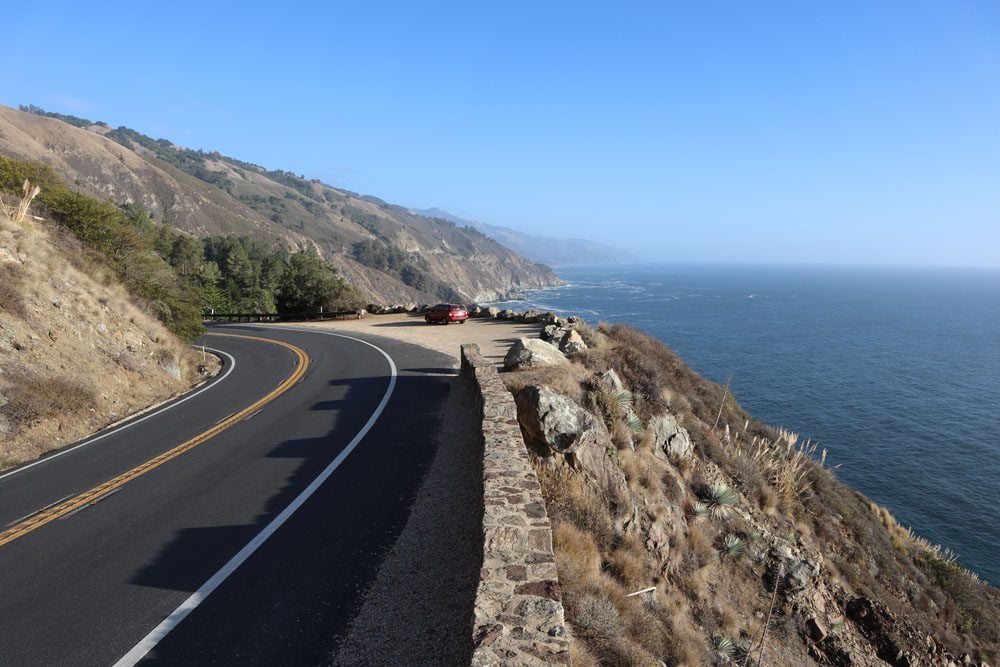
252 546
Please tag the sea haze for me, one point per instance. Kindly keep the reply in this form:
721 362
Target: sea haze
896 372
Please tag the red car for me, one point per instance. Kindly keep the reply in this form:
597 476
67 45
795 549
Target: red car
447 313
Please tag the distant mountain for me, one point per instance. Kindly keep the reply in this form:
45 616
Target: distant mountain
544 249
393 255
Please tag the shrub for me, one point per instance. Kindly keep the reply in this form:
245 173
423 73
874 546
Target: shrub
123 240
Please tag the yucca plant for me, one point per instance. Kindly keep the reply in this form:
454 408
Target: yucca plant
719 497
723 645
733 545
741 654
699 509
634 423
624 399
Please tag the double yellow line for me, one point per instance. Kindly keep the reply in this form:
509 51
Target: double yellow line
95 494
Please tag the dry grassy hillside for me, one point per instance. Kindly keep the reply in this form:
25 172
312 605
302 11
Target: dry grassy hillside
688 533
76 354
410 258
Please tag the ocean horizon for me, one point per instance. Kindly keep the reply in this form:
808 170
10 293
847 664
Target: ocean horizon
895 371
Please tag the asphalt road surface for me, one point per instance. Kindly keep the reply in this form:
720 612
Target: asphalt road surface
252 546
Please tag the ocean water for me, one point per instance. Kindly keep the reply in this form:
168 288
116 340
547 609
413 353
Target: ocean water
895 372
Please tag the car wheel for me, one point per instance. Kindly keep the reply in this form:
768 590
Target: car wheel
445 321
461 321
428 320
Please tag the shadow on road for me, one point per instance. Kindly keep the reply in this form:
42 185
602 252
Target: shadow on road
295 598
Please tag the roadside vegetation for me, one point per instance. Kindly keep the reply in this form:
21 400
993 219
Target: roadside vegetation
175 276
741 548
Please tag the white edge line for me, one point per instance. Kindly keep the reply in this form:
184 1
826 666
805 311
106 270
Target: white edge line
147 643
232 366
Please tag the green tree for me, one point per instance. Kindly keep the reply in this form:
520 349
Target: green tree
309 283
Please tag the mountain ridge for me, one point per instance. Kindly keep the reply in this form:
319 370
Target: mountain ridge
391 254
538 248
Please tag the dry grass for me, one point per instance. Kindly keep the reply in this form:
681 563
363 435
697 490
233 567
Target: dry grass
32 397
704 585
570 497
568 380
12 289
19 211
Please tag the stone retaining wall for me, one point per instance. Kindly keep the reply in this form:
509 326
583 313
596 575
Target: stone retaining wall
519 613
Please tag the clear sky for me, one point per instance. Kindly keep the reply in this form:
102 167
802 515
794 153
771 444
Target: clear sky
826 132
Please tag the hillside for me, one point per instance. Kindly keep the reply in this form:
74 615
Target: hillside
391 254
538 248
76 351
689 533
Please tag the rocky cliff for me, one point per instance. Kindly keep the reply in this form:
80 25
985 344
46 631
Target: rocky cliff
391 253
687 533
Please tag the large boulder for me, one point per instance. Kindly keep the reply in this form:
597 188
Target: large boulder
556 422
670 439
572 342
491 312
532 353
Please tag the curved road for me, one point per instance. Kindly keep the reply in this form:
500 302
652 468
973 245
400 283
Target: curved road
195 555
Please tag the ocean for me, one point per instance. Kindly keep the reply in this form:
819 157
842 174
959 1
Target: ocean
896 372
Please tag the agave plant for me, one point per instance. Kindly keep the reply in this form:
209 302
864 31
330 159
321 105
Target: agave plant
699 509
733 545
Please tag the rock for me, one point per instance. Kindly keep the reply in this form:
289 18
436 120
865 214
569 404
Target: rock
556 420
532 353
800 574
410 308
670 439
492 312
549 332
506 314
530 316
612 381
572 343
815 630
375 308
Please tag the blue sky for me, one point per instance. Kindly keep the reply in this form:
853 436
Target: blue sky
844 133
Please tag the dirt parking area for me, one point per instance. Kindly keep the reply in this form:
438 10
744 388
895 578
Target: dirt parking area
494 337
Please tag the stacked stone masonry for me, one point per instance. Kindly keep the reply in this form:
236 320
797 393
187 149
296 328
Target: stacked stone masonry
519 614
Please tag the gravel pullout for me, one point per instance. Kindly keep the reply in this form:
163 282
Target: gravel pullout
420 609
